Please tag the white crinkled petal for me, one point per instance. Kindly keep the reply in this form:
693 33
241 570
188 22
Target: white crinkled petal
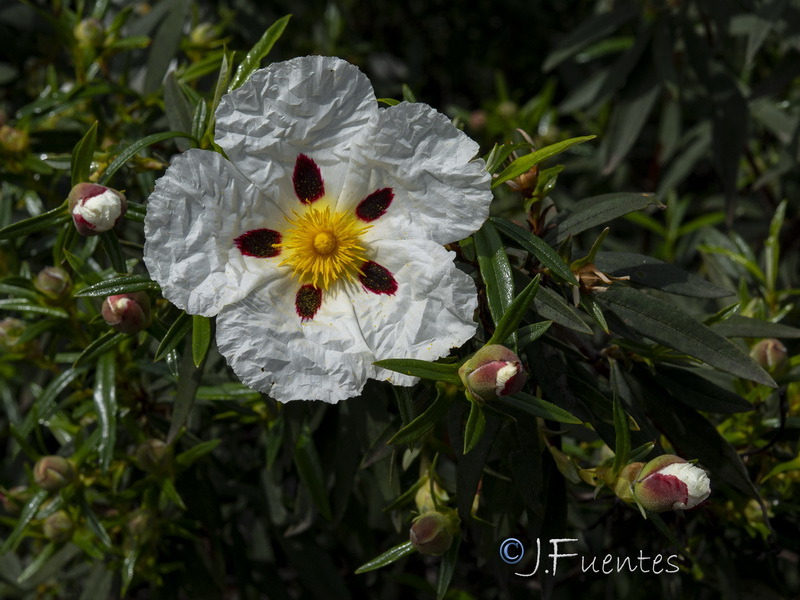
273 351
197 210
431 312
313 105
440 193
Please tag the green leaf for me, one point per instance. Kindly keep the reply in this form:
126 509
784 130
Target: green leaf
666 324
309 469
119 285
29 307
508 324
114 251
52 218
169 494
165 44
25 516
447 567
82 156
422 369
98 347
426 421
691 388
746 327
177 331
598 210
627 120
223 79
525 163
387 557
136 212
553 307
596 28
134 148
495 271
257 53
93 522
622 444
476 423
533 244
189 457
98 584
105 406
535 407
389 101
201 338
189 378
46 402
178 109
533 332
37 563
654 273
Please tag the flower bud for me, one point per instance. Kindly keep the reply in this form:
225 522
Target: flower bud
153 456
770 354
13 141
53 473
53 282
13 500
96 208
140 523
127 313
57 527
669 482
432 532
90 33
491 372
11 330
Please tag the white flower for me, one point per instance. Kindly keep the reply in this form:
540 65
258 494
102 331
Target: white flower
96 208
318 244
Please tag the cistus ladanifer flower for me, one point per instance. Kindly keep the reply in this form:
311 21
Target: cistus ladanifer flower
318 242
127 313
492 371
96 208
669 482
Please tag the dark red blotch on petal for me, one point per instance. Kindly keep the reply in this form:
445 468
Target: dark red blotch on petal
259 243
377 279
307 301
307 180
374 206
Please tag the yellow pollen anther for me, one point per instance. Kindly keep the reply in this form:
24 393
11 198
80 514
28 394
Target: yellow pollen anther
323 246
324 242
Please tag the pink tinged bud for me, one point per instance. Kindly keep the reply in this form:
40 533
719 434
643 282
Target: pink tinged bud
53 473
57 527
771 355
431 533
127 313
53 282
96 208
491 372
669 482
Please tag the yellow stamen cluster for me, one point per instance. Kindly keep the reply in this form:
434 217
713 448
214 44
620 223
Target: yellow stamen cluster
323 245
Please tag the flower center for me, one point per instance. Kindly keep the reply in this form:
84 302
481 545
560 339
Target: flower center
323 246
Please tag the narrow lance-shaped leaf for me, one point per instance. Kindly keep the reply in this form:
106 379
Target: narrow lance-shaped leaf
119 285
114 251
536 246
508 324
666 324
98 347
309 468
201 338
188 381
177 331
476 423
495 271
257 53
387 557
598 210
447 567
427 420
52 218
525 163
622 445
535 407
134 148
105 405
82 156
25 516
421 368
